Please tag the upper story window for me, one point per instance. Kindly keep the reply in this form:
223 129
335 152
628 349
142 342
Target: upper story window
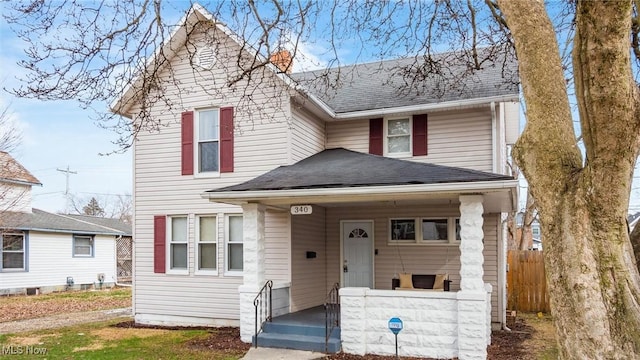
83 246
13 252
207 141
398 137
208 138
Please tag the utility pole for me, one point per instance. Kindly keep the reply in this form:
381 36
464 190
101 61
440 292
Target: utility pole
66 192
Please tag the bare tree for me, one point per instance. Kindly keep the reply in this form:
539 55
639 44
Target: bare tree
11 194
582 201
109 206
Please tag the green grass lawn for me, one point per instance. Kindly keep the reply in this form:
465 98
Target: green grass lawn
103 341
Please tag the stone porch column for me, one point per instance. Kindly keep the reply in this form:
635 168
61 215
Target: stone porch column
471 246
472 297
253 266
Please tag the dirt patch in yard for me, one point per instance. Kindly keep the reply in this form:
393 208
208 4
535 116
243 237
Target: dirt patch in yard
220 340
111 333
31 340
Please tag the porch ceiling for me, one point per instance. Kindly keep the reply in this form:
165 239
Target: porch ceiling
501 197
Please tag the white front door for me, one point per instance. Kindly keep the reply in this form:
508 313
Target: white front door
357 254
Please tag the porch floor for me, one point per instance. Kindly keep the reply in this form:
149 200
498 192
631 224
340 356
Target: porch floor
313 316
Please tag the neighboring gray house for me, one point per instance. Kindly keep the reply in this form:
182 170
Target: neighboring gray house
43 252
354 187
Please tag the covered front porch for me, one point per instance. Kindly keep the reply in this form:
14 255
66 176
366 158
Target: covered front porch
363 236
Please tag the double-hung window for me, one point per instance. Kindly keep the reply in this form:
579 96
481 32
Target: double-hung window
206 243
13 252
235 260
178 246
208 138
398 137
83 246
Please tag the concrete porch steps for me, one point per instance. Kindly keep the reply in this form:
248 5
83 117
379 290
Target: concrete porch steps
298 337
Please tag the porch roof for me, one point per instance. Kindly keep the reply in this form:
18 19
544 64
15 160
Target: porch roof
350 175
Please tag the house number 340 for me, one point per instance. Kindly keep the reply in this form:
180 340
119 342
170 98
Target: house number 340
301 209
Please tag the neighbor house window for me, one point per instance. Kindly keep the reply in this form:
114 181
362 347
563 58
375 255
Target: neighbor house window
208 139
398 136
13 252
235 260
535 231
424 231
83 246
206 239
178 249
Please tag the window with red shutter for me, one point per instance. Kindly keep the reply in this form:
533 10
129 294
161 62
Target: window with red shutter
376 140
226 139
187 143
159 243
420 140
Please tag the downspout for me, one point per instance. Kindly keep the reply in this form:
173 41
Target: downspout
494 139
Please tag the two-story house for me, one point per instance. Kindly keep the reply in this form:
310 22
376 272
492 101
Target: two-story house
305 187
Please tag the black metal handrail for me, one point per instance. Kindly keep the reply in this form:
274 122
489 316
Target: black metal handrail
262 304
331 313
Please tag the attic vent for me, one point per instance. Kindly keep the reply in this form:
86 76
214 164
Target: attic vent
206 57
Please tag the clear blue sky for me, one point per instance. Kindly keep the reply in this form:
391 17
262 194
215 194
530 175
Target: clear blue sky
57 135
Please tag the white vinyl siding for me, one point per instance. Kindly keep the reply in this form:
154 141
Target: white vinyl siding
43 272
455 138
309 275
261 143
15 197
392 260
278 247
307 136
352 135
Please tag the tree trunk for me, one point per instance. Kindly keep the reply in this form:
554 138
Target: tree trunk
593 282
526 237
635 243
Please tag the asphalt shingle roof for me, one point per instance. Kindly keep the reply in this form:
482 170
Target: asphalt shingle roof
396 83
12 170
334 168
45 221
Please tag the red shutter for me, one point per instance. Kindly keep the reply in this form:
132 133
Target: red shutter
420 135
226 139
187 143
376 129
159 243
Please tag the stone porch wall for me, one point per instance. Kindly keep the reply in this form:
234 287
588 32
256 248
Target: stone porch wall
440 325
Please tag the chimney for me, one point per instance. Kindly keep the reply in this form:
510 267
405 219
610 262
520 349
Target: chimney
282 60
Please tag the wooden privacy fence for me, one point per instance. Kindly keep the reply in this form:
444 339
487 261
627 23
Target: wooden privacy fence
526 281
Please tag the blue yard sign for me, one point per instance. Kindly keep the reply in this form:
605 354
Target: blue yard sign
395 325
